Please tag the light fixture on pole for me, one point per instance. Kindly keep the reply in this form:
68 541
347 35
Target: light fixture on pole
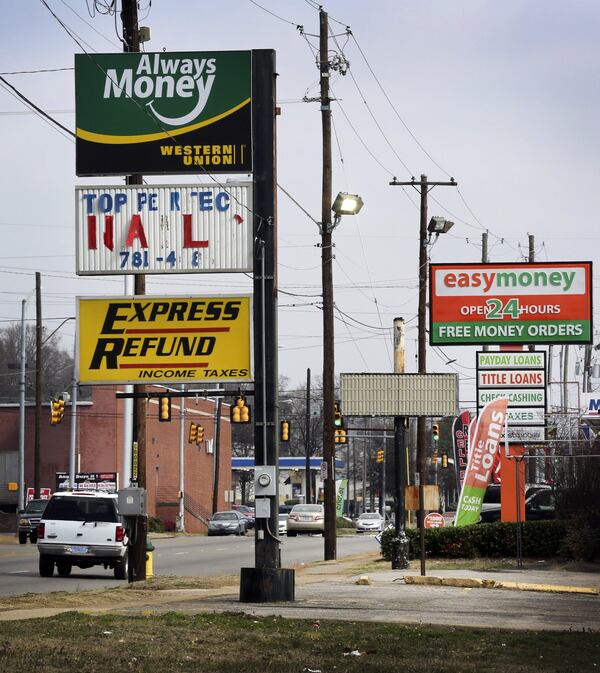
344 204
439 225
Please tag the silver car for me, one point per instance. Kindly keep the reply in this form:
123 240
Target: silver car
369 522
306 519
227 523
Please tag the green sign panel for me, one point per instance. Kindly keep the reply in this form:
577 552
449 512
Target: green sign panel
168 112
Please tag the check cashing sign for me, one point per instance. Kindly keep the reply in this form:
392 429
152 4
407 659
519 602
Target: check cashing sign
511 303
168 112
161 339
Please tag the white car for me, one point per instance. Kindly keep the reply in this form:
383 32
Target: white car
369 522
83 530
283 524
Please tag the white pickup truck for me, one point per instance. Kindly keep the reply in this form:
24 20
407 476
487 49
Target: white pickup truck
83 530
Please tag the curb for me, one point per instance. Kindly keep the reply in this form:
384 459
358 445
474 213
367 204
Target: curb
473 583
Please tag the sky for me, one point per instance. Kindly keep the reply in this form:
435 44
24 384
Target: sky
503 97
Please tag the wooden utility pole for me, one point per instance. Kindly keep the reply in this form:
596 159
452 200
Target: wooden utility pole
131 37
484 259
330 550
308 488
424 187
217 456
38 384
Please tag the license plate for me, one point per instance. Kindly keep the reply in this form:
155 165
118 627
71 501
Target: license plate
306 518
79 550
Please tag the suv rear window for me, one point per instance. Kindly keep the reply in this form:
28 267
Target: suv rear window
69 508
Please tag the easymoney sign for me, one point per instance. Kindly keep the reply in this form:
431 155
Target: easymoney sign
168 112
163 339
511 303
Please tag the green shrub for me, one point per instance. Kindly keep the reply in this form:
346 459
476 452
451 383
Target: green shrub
541 539
155 525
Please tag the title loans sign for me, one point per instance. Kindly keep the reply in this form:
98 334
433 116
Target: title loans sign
163 113
164 229
511 303
143 339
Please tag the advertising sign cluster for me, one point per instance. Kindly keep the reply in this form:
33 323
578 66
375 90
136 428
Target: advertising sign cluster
482 456
520 377
164 229
104 482
160 339
523 303
169 112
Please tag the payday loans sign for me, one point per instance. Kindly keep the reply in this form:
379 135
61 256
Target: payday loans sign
511 303
167 112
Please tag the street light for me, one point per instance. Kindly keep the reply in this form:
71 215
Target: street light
344 204
439 225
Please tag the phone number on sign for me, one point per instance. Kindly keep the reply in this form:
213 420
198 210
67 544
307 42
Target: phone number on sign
141 259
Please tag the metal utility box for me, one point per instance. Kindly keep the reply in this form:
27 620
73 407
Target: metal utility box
132 502
262 508
265 480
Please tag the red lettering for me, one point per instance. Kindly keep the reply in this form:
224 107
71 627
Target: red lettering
188 241
91 230
136 230
108 236
450 280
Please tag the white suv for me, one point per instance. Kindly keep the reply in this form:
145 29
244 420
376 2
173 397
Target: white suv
83 530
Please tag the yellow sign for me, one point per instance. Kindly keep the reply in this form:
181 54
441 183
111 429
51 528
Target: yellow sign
163 339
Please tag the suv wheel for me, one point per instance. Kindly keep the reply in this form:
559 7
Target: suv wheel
121 569
46 566
64 567
22 537
33 537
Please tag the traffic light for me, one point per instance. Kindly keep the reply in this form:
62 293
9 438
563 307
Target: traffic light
61 409
164 409
54 412
434 456
435 431
193 434
338 420
380 456
445 461
284 434
240 412
340 436
200 434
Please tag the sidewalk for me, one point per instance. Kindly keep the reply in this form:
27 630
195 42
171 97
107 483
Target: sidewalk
328 590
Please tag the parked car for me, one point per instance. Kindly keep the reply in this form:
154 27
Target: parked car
283 519
248 512
83 530
285 509
227 523
490 507
306 519
369 522
29 519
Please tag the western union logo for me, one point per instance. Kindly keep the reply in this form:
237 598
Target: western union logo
177 339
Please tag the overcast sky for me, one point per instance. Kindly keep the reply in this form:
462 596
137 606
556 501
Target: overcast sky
503 96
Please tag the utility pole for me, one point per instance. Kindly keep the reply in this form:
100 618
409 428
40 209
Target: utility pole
400 542
308 488
22 411
217 456
131 37
330 551
181 517
38 384
485 260
424 187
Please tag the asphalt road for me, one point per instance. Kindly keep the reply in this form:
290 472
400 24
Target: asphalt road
178 556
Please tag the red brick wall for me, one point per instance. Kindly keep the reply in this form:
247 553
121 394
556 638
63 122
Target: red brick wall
99 444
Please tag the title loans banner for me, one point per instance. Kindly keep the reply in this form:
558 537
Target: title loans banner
164 229
511 303
160 339
168 112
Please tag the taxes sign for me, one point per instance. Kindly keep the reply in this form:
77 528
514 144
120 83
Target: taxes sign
167 112
162 339
521 303
164 229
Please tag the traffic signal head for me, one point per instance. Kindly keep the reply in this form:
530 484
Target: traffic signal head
61 409
338 420
340 436
193 433
240 412
55 417
164 409
435 431
445 461
284 435
380 456
200 434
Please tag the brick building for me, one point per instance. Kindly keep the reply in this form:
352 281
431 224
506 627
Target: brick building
99 444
